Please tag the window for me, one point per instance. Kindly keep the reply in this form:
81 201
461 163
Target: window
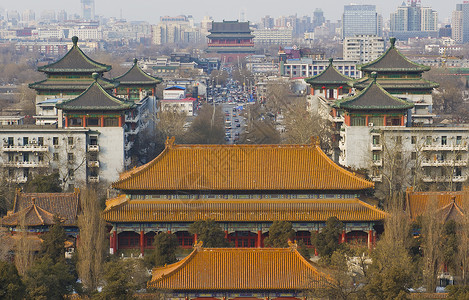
358 121
93 122
25 141
11 141
40 141
398 140
40 157
71 172
70 140
55 141
93 140
26 157
111 122
70 157
75 122
376 140
443 141
376 156
458 140
55 156
413 140
11 157
376 121
413 155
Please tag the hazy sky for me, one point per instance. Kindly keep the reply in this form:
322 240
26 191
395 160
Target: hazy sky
151 10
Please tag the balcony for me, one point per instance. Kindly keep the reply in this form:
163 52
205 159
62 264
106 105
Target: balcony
93 164
26 164
26 148
461 147
93 148
93 179
378 162
377 178
18 179
459 178
444 163
376 147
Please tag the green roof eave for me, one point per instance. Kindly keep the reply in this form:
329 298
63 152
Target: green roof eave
122 104
387 83
144 78
335 77
47 84
348 102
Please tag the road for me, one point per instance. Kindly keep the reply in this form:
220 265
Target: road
234 122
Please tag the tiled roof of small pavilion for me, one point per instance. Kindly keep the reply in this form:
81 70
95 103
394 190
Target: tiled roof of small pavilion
241 167
330 76
239 269
121 209
230 27
135 75
75 61
39 208
95 98
392 61
451 205
75 84
373 97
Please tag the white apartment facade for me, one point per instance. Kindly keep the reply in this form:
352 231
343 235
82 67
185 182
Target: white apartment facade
307 67
363 48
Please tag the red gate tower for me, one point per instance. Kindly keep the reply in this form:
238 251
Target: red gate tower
230 40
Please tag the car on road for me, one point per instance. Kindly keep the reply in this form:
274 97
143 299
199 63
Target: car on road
238 125
236 120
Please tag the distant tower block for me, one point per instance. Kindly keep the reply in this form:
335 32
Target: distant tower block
87 9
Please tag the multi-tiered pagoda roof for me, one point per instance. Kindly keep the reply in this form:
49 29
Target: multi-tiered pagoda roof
72 73
396 73
329 78
135 76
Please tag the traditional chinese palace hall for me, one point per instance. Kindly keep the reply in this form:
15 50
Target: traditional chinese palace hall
242 187
238 273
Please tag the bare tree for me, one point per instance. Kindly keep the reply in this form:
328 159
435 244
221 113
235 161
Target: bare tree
24 248
301 125
171 123
91 244
463 241
432 229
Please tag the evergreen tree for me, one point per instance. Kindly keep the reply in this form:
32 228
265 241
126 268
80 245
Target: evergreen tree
11 285
166 245
279 234
118 281
327 240
47 279
54 241
209 232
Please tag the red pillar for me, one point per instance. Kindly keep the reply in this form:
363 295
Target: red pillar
402 121
84 121
384 120
370 239
366 121
66 121
142 237
226 234
236 240
195 238
111 243
120 121
259 239
342 237
102 121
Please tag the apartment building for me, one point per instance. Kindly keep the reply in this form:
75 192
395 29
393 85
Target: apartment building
363 48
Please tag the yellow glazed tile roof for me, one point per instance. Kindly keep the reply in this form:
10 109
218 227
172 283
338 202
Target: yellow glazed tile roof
238 269
237 210
241 167
448 203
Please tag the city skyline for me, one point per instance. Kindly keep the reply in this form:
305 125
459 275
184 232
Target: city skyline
139 10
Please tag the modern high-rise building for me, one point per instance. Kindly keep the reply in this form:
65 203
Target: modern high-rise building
460 23
87 9
412 20
361 19
318 18
363 48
